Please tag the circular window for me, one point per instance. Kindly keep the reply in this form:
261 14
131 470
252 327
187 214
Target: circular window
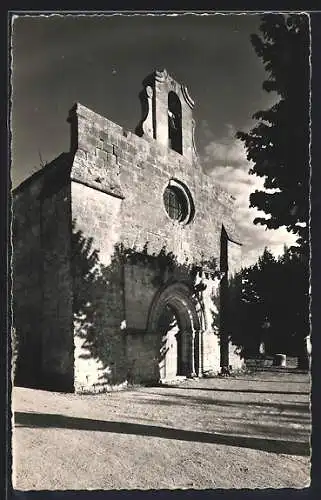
178 202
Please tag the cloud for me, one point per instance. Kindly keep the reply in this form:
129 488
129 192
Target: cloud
228 151
225 160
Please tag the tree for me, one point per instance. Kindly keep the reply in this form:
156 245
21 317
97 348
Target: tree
292 302
259 293
275 305
255 306
278 145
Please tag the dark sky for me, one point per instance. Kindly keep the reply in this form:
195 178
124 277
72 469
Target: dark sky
101 61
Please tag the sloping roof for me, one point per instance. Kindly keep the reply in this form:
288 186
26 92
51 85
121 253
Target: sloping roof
61 162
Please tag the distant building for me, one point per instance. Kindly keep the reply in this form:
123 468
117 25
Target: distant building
122 251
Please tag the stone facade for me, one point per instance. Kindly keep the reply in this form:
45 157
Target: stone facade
121 249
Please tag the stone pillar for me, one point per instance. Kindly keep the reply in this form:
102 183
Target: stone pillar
308 348
193 373
200 353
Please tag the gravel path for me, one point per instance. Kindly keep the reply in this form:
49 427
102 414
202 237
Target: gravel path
249 431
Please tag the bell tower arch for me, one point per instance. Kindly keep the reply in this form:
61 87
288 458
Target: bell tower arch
167 114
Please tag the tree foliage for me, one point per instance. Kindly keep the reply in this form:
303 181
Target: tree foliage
274 308
278 145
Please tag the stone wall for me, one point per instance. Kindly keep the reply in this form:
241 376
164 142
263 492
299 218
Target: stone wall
77 221
115 168
142 357
42 290
27 281
140 289
57 338
138 170
98 289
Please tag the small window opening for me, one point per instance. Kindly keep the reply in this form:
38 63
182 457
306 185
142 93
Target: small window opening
175 122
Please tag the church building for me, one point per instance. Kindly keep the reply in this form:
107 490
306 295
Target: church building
122 252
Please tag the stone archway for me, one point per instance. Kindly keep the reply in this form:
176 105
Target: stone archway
173 318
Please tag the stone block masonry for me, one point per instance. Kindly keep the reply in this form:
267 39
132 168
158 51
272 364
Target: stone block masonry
42 285
139 175
113 271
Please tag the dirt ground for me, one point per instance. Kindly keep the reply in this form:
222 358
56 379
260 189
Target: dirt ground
248 431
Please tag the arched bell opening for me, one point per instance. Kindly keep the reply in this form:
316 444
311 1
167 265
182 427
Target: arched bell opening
175 123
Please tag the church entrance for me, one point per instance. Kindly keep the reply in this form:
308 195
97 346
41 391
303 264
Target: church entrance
174 321
169 349
175 349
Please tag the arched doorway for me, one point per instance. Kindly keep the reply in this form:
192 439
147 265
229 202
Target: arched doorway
173 318
169 331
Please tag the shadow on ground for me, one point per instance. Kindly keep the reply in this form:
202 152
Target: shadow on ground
299 407
261 380
45 420
268 419
249 391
